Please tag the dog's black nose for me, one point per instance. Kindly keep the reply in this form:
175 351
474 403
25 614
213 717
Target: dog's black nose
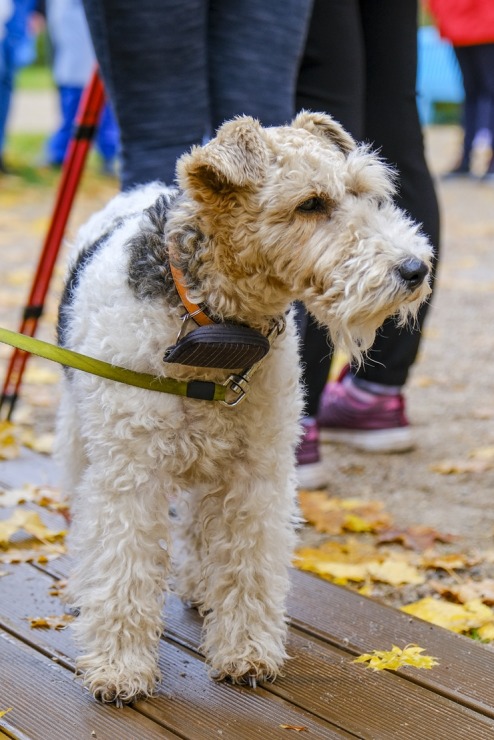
413 272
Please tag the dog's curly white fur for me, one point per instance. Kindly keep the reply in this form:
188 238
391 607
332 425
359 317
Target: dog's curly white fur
261 217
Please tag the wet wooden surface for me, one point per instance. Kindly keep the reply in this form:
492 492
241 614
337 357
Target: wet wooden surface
323 694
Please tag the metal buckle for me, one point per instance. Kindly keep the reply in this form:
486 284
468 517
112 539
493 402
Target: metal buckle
185 320
239 384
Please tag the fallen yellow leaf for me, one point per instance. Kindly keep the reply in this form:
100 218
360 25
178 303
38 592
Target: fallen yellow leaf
4 711
52 622
483 453
334 515
58 587
456 467
486 632
16 496
483 590
42 443
392 660
395 572
30 522
9 444
448 561
460 618
332 562
49 497
40 553
297 728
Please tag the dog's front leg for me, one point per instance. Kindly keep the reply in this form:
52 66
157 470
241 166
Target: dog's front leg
120 543
248 550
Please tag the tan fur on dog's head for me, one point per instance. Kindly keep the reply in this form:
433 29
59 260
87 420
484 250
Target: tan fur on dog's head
236 158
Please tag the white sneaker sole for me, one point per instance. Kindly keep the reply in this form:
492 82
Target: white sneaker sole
312 476
399 439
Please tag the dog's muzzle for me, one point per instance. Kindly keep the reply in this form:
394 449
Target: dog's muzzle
412 272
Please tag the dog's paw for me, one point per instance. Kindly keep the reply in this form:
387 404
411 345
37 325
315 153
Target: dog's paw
247 671
111 684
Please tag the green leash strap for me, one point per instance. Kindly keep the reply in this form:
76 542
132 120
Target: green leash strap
200 389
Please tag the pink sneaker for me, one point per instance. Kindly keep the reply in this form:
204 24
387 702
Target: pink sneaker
366 421
310 469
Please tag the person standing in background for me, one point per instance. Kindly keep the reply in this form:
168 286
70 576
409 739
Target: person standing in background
73 63
359 66
17 48
469 26
176 69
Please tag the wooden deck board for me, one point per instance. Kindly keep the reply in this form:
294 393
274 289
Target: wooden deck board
322 689
188 701
466 669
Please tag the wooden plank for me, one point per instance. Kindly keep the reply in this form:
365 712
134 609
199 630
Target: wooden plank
358 624
29 467
188 701
46 703
323 679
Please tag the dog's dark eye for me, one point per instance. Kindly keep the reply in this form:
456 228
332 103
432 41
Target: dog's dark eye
312 205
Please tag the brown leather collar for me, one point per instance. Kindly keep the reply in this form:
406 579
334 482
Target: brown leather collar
194 310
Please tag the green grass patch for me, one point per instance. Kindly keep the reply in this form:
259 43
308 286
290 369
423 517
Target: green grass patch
25 155
34 77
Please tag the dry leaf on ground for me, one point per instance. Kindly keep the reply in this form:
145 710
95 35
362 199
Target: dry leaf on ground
51 622
335 515
57 587
395 572
460 618
416 538
9 443
30 522
448 561
456 467
4 711
42 443
16 496
296 728
463 592
340 564
392 660
36 553
50 497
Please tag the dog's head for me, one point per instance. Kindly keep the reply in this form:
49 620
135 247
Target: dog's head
303 212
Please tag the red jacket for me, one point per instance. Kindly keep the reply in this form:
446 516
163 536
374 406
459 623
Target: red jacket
464 22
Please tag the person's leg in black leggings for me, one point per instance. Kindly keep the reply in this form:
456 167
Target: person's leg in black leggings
392 124
366 51
477 65
331 79
473 90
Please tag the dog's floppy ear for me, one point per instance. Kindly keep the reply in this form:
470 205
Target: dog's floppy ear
324 125
236 158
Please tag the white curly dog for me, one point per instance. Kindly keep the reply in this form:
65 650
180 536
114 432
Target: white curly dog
261 217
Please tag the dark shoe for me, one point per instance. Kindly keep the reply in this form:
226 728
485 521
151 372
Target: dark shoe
363 420
310 469
488 175
462 170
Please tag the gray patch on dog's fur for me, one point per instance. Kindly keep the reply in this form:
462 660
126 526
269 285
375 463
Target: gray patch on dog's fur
73 281
149 265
